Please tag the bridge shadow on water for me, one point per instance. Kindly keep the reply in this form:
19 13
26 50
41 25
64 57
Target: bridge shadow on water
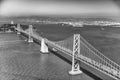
68 61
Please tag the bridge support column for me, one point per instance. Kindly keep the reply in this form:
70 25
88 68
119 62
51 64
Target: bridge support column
30 39
18 28
44 47
76 51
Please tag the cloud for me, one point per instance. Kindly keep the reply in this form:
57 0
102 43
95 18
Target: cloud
58 7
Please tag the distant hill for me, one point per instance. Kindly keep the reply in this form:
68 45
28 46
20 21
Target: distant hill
59 18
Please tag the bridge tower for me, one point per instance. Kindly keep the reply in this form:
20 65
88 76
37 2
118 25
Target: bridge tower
76 51
30 39
18 28
44 47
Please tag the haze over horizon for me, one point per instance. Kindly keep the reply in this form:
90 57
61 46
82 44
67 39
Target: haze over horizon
59 7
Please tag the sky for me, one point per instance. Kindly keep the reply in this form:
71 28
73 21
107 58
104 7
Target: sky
60 7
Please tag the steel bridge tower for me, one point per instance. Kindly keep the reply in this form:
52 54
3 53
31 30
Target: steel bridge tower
76 51
30 39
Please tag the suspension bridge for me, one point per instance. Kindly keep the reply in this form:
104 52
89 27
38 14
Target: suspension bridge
79 49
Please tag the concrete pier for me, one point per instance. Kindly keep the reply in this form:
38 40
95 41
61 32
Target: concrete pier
44 47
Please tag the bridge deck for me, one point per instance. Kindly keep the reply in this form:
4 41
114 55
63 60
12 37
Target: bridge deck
22 61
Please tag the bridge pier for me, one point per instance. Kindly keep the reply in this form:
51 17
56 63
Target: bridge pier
44 47
30 39
76 51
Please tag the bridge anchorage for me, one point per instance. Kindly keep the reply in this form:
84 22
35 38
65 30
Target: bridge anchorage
76 51
44 47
